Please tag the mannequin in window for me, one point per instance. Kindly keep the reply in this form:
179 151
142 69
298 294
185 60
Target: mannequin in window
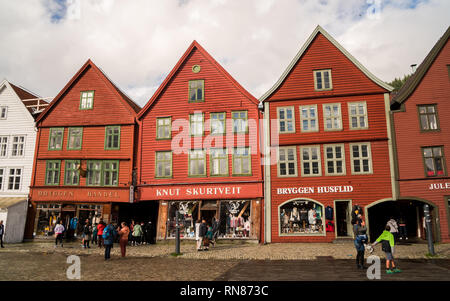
284 221
312 219
303 217
295 217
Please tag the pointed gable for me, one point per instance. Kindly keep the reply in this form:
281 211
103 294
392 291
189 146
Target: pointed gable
219 84
110 105
321 52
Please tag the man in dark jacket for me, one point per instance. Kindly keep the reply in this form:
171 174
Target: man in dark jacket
2 232
109 233
203 231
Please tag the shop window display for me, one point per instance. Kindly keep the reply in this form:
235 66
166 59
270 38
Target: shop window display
47 217
234 219
188 215
301 217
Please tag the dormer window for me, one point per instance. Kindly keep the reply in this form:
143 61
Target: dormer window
196 90
87 100
322 80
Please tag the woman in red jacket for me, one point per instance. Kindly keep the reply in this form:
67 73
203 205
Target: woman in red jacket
100 227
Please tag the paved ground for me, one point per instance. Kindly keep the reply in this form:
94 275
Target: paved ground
226 261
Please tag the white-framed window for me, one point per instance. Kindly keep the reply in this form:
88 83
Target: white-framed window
197 163
163 127
357 115
3 112
2 178
332 117
87 100
242 161
217 121
308 118
322 80
361 158
240 121
196 124
310 161
14 178
219 162
3 146
287 161
18 146
286 120
334 159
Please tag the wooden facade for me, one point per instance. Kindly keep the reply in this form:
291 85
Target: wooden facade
85 155
204 192
419 178
315 128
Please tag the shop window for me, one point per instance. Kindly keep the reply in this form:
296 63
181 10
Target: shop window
112 137
219 162
428 118
332 117
196 124
18 146
434 161
235 219
111 173
2 175
287 161
240 121
56 139
286 119
48 216
361 158
15 178
196 91
322 80
241 161
218 124
301 217
163 164
87 100
163 128
358 115
71 173
308 118
334 160
3 146
188 215
197 163
94 173
75 138
52 172
3 112
311 165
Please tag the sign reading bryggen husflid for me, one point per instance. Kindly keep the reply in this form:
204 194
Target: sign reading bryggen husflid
329 144
199 151
84 154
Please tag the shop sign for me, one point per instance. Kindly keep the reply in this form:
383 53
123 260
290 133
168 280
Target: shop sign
89 194
56 193
312 190
439 186
189 191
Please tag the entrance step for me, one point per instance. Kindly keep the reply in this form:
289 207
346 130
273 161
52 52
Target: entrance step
340 240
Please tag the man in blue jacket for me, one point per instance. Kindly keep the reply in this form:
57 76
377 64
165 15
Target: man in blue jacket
109 233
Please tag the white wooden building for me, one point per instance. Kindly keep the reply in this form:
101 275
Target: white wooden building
18 110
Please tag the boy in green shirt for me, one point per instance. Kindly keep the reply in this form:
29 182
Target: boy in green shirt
387 245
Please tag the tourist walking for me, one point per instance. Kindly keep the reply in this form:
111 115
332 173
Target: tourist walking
2 232
108 236
202 234
130 237
100 227
123 234
387 245
198 238
360 239
87 231
392 223
59 230
94 234
148 229
137 233
403 234
208 237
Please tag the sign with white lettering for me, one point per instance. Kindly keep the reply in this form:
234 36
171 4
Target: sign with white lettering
312 190
439 186
88 194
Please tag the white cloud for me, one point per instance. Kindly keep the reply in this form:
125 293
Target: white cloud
138 42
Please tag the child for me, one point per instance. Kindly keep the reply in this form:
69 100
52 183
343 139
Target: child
387 245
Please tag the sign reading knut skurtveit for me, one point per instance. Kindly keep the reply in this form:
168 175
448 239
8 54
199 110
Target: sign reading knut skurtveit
318 190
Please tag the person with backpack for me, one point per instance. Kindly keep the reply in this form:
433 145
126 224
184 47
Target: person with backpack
387 245
87 231
360 239
109 233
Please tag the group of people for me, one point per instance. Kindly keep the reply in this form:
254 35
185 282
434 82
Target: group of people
386 239
206 234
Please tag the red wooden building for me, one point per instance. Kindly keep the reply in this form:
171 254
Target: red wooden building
329 142
84 156
199 150
421 115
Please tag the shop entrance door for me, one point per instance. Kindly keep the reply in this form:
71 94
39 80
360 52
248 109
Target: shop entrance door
66 217
343 218
208 215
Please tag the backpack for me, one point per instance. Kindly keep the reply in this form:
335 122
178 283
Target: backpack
385 246
106 233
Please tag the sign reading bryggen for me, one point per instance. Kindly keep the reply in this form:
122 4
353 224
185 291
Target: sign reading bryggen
311 190
98 195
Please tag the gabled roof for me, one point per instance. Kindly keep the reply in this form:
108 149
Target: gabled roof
194 45
411 84
133 107
311 38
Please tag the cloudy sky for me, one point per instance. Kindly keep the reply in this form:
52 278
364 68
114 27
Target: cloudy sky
137 42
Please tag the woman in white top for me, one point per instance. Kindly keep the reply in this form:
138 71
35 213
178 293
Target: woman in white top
197 237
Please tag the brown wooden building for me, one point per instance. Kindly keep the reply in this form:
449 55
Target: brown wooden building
84 156
199 151
330 145
421 114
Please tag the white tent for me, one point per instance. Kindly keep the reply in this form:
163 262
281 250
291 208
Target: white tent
13 213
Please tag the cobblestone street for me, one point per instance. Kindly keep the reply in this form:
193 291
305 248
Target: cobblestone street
225 261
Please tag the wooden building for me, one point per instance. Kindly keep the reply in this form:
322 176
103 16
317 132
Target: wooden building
421 115
84 157
329 142
199 151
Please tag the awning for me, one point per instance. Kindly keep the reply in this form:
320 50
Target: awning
8 202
